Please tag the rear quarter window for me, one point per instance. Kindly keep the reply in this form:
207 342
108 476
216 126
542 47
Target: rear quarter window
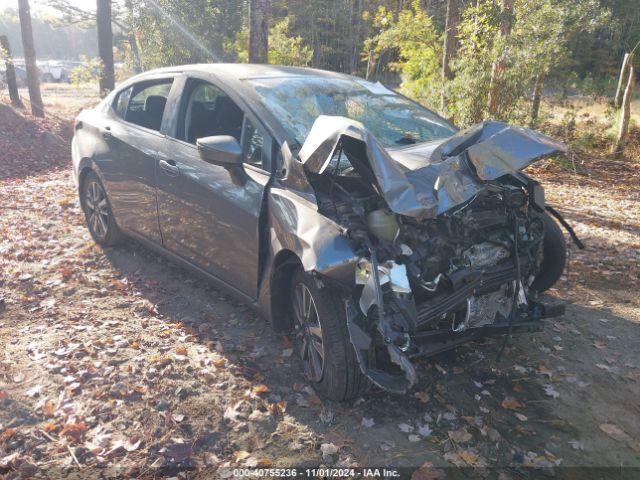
121 102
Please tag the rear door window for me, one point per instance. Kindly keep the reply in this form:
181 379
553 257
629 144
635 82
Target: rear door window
147 103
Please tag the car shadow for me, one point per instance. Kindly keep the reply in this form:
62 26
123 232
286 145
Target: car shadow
467 390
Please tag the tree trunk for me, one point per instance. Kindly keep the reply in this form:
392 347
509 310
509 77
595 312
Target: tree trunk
622 81
354 36
537 97
33 74
493 103
105 46
450 38
369 65
450 45
625 113
259 11
12 84
133 41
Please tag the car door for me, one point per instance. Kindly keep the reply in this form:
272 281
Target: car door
128 168
209 213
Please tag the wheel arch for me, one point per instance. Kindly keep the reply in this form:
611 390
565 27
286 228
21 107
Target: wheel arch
285 263
84 169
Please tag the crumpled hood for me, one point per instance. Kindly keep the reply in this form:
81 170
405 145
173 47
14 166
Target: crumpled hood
452 173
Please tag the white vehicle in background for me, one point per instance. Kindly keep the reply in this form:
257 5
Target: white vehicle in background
53 72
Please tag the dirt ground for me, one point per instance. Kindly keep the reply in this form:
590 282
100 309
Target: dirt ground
114 362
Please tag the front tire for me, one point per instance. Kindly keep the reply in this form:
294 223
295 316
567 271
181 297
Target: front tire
554 256
97 212
322 339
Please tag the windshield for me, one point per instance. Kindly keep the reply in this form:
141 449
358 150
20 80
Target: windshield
394 120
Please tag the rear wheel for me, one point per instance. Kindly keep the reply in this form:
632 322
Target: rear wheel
322 340
97 212
554 256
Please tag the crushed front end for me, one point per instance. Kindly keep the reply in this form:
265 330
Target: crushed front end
447 252
427 286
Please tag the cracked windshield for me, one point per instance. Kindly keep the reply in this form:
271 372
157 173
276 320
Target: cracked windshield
394 120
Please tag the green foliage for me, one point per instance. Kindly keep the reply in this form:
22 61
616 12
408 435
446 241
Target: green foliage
283 49
87 72
173 32
479 48
538 44
419 50
241 45
286 50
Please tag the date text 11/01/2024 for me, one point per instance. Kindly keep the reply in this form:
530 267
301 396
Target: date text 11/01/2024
315 473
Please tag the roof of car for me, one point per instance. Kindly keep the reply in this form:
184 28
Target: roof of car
238 71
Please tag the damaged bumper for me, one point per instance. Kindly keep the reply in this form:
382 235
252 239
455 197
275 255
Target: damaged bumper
473 320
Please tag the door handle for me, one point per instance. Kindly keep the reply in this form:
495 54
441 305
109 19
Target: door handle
106 133
170 167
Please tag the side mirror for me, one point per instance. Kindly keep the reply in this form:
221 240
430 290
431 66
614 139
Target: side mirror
220 150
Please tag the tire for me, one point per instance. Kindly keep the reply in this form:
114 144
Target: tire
101 222
554 256
340 377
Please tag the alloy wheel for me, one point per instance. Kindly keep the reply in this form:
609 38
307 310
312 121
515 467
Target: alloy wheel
308 332
97 209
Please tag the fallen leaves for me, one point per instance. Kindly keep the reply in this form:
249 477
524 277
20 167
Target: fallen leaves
6 434
131 445
367 422
278 408
405 427
576 445
469 457
424 431
550 391
259 389
34 391
50 427
328 449
428 472
615 432
176 452
74 430
465 458
521 417
460 436
510 403
219 362
49 408
422 396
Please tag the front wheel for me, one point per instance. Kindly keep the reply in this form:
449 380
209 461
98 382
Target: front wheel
322 340
554 256
97 212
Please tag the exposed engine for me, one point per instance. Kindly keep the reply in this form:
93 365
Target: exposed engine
469 268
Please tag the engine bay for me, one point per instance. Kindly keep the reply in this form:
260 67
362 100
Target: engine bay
468 268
